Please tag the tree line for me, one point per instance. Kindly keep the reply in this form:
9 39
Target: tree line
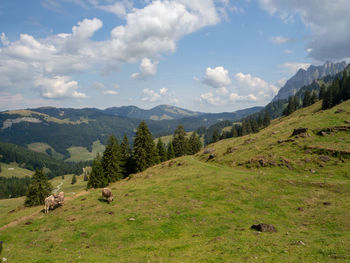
33 160
251 124
119 160
337 92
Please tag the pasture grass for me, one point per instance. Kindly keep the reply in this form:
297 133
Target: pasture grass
200 209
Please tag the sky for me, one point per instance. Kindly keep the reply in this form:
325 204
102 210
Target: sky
202 55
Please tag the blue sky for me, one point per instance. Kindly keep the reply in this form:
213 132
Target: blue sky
205 55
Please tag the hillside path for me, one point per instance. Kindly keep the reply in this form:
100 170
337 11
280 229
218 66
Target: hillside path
27 217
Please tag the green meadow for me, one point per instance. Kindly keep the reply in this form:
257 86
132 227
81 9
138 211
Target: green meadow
200 208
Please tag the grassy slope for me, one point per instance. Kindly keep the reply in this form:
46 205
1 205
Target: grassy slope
16 172
82 154
41 147
194 210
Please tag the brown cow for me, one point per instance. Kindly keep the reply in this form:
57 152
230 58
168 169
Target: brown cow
107 193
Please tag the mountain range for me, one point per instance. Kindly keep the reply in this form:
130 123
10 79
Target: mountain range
306 77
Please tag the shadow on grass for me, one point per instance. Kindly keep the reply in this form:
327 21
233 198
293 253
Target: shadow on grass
102 200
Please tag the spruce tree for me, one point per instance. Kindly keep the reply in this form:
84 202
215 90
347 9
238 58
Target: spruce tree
322 92
267 119
144 148
97 178
313 97
161 151
180 142
126 157
234 132
170 151
215 137
307 99
74 179
111 161
38 190
254 125
195 144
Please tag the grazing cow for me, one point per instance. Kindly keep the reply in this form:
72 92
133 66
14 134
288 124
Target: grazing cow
107 193
53 200
49 203
59 198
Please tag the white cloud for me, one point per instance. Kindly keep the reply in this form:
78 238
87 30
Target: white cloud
256 85
110 92
217 77
245 89
118 8
147 69
148 33
59 87
163 95
293 67
163 91
328 20
280 40
150 95
4 40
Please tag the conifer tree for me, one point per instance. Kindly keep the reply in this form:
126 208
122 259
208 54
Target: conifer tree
246 127
126 157
195 144
327 102
111 161
267 119
180 142
215 137
161 151
144 148
170 151
38 190
254 125
97 178
307 99
313 97
234 132
322 92
74 179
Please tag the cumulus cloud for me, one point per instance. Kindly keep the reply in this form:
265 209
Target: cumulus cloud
245 89
163 95
59 87
328 20
280 40
147 69
217 77
118 8
293 67
148 33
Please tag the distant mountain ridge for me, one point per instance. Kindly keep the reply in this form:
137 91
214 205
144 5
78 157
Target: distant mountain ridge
306 77
161 112
60 129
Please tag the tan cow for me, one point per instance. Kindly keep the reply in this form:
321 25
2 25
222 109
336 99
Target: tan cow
53 200
107 193
59 198
49 203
